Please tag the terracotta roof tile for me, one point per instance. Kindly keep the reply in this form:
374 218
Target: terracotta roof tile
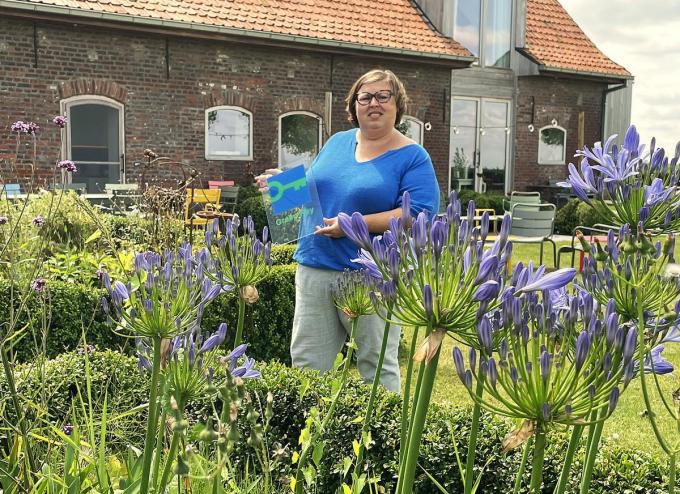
396 24
555 40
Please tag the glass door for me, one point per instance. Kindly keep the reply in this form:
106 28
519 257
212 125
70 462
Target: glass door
95 143
493 146
463 150
479 144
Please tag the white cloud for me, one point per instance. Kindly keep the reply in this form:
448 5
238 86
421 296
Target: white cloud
641 37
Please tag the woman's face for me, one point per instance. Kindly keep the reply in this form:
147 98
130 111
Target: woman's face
374 115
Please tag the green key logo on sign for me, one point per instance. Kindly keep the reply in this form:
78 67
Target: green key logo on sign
289 189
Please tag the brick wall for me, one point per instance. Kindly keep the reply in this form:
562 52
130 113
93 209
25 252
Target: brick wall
553 98
165 103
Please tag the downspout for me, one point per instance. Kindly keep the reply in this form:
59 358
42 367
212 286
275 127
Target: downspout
605 92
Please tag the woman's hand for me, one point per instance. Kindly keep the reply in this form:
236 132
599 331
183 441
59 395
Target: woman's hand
261 180
332 228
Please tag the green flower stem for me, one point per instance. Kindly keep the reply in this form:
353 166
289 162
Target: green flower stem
671 474
160 440
371 400
9 376
167 469
406 480
522 468
591 453
472 442
241 318
537 461
152 420
329 414
576 433
407 397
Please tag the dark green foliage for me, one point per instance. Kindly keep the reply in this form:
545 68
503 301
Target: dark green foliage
253 207
482 201
283 254
73 308
268 322
566 218
617 470
587 216
55 384
140 233
246 192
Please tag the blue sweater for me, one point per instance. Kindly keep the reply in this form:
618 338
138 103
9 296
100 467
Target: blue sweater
346 185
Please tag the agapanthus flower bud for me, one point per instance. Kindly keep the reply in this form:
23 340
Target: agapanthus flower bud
472 358
487 291
406 208
581 350
545 366
486 268
546 412
492 372
428 301
459 363
630 344
484 334
613 399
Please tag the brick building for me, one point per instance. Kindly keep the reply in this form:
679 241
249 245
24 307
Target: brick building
232 88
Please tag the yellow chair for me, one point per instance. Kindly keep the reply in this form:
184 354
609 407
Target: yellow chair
198 200
492 217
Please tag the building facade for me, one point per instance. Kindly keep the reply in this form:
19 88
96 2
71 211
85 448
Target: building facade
231 90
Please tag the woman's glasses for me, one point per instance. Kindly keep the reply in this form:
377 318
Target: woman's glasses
380 96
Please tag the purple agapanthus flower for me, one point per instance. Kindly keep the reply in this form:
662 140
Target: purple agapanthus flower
657 193
38 221
654 362
60 121
247 370
366 261
551 281
38 284
67 165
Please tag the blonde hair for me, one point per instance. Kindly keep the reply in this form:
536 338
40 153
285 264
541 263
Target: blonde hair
377 75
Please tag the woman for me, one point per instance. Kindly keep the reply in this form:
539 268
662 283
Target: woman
365 169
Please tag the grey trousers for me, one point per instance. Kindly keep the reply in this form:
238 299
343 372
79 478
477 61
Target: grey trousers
320 330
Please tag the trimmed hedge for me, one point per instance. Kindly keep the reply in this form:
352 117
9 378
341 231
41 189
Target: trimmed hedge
618 470
575 213
283 254
74 308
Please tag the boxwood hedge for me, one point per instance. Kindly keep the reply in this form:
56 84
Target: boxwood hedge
617 470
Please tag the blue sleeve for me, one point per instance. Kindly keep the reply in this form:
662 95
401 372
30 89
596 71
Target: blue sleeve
419 179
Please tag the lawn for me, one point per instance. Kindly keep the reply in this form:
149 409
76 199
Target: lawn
626 427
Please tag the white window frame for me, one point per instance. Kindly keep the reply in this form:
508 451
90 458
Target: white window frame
299 112
226 157
65 106
563 160
419 122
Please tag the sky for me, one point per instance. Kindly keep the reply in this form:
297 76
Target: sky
641 36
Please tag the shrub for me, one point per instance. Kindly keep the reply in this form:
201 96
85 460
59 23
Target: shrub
482 201
71 309
283 254
138 231
68 222
587 216
253 207
268 322
566 218
56 383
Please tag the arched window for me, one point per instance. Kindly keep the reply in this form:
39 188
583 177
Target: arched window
228 133
552 142
94 140
413 129
299 138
